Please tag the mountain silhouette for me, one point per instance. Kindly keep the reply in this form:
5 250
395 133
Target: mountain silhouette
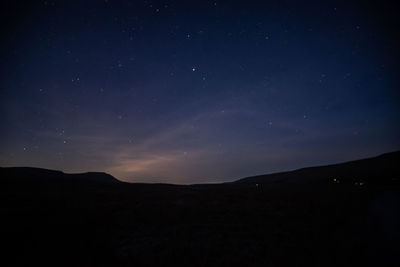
39 174
337 215
383 169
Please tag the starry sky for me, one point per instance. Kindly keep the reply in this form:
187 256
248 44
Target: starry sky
196 91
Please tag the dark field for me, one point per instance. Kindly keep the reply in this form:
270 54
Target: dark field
52 219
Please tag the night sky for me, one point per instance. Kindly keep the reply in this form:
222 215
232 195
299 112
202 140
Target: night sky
196 91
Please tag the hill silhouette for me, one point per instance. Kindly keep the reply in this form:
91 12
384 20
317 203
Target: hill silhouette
39 174
298 218
383 169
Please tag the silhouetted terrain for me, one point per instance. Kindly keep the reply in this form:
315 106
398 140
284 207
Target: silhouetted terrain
298 218
380 170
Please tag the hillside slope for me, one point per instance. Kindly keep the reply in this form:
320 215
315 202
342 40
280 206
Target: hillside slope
383 169
29 174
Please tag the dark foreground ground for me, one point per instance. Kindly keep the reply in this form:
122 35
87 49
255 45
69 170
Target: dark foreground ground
52 219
